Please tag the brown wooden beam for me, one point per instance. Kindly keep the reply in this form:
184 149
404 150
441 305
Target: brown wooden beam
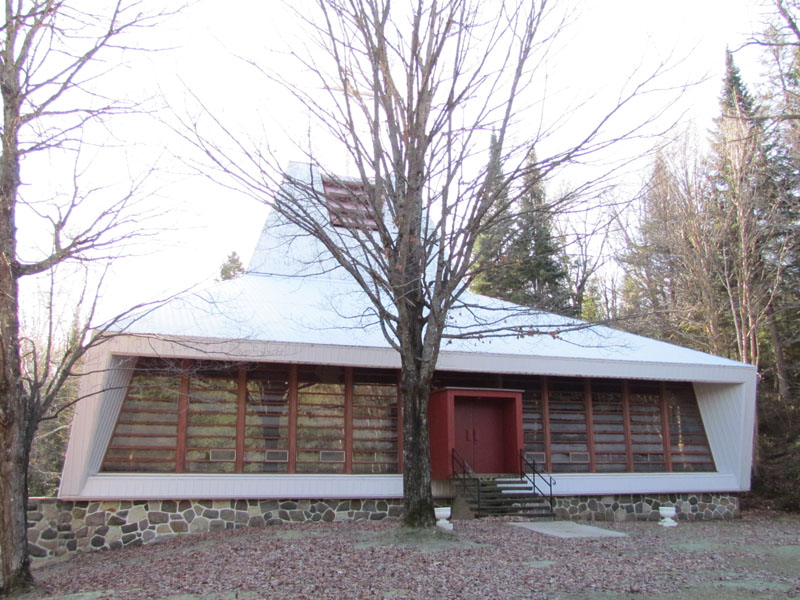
662 392
183 418
587 397
241 414
626 420
548 455
348 419
292 466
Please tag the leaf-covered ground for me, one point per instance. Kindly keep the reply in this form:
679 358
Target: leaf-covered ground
757 556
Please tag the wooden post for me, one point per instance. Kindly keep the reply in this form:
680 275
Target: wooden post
587 397
292 466
662 392
626 420
548 455
399 426
241 413
183 418
348 419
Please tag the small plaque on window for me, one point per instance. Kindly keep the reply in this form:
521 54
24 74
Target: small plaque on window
222 455
277 456
335 456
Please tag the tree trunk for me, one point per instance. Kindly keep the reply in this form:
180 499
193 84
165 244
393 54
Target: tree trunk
417 493
784 389
17 576
16 423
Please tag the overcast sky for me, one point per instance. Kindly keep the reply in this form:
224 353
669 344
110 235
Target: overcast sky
606 42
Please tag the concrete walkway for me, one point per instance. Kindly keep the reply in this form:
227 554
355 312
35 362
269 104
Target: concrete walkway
569 529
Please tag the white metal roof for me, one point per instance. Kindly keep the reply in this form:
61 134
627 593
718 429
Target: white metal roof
293 293
318 310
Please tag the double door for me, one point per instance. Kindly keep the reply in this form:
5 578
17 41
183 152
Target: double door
479 433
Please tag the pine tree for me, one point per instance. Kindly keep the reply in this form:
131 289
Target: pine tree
746 199
490 248
519 258
231 268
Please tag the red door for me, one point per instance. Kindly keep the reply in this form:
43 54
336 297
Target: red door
479 433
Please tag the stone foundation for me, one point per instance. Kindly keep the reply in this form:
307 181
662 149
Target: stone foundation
636 507
56 527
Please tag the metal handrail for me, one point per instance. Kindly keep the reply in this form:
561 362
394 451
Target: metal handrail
463 472
532 477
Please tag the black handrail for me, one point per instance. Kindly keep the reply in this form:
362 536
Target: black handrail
464 474
524 465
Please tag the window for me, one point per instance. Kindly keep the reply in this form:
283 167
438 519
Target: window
349 204
266 431
374 421
647 431
145 438
688 444
320 419
608 421
569 433
211 420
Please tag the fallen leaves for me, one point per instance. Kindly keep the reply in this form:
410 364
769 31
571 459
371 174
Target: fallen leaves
481 559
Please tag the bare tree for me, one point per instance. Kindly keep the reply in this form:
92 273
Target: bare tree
412 92
50 62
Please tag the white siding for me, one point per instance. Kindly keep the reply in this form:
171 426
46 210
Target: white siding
169 486
102 388
569 484
728 413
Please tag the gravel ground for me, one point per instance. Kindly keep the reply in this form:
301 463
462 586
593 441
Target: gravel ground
757 556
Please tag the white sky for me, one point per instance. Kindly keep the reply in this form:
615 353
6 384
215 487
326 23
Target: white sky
606 42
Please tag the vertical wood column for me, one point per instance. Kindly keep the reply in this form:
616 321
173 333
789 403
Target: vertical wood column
662 392
626 421
348 419
241 409
548 455
587 397
183 418
399 426
292 466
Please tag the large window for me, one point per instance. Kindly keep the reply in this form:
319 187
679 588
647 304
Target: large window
212 413
569 426
647 428
321 420
608 426
266 431
146 436
688 445
375 422
205 417
573 425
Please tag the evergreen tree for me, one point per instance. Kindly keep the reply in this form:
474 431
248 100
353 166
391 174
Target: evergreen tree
537 269
231 268
518 259
490 248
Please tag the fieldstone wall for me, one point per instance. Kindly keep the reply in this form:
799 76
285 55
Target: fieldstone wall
56 527
633 507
